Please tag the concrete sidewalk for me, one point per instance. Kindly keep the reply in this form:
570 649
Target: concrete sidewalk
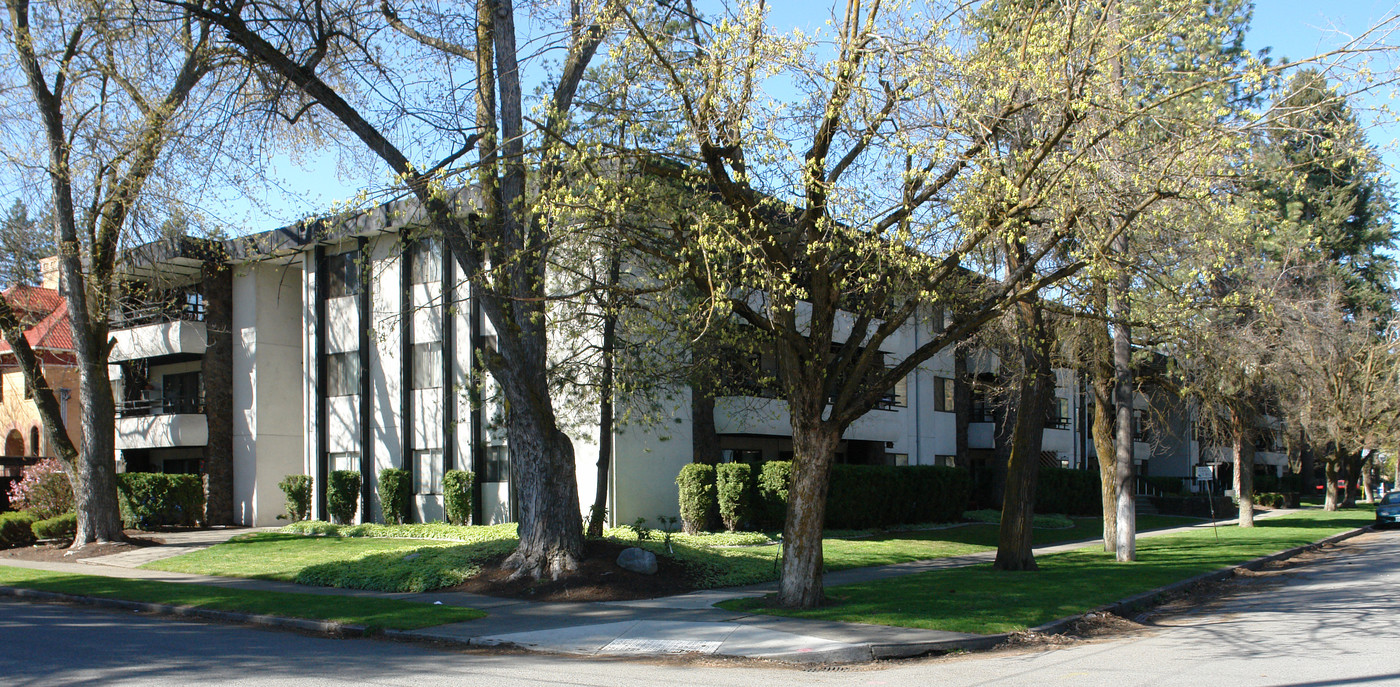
687 623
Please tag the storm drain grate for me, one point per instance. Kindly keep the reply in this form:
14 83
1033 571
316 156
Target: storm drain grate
659 646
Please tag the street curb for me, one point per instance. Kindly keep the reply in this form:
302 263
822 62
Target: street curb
852 653
871 651
1150 598
322 627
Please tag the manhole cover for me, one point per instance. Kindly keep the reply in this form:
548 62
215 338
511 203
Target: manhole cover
659 646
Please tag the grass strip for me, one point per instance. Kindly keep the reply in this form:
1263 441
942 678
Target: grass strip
373 613
979 600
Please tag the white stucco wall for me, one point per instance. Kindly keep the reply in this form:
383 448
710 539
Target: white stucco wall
269 424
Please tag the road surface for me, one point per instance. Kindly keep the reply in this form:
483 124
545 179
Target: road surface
1332 621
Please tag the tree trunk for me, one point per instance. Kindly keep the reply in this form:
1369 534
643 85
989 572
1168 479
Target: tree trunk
605 406
1244 466
1330 470
814 450
1352 466
1036 387
550 528
704 440
1101 366
1368 471
95 482
1123 397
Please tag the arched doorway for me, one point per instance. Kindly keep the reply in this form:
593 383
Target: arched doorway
14 443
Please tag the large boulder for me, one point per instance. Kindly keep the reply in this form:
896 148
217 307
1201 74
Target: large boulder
637 560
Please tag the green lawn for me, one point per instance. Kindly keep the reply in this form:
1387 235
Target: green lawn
978 599
368 557
374 613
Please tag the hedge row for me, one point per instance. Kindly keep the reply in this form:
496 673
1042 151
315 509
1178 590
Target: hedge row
1068 492
150 500
16 529
860 496
865 496
58 527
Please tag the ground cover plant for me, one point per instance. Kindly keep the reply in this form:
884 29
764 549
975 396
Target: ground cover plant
422 557
374 613
976 599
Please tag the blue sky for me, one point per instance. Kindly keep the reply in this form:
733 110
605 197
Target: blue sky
1292 28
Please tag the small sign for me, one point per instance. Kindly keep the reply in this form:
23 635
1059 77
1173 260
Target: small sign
1204 473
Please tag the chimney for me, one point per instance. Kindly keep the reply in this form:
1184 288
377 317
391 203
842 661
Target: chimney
48 272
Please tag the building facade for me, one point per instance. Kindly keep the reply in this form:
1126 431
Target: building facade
349 345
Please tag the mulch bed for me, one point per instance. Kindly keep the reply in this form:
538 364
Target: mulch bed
598 578
58 552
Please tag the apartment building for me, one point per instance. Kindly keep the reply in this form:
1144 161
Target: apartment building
348 345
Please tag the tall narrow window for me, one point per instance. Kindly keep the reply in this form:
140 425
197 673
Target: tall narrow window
943 390
345 460
1058 415
425 261
343 374
427 470
427 365
900 393
497 464
33 441
342 275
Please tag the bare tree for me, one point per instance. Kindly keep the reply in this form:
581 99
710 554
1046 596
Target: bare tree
110 87
502 238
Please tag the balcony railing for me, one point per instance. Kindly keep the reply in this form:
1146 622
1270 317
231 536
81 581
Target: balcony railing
178 405
137 313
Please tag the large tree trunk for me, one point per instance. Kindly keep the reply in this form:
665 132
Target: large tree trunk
542 466
1036 387
1101 381
1368 472
1330 470
814 445
1352 466
1244 466
95 482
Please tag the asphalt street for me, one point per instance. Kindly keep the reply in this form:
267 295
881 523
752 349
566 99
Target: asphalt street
1334 621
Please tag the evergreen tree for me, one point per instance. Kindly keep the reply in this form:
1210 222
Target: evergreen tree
23 241
1321 185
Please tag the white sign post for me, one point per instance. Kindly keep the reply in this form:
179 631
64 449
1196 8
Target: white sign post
1205 473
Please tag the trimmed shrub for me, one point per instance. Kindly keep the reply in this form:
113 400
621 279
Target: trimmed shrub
872 496
343 495
697 496
150 500
1267 483
1068 492
774 477
1270 500
457 495
733 488
44 490
297 489
394 494
58 527
16 529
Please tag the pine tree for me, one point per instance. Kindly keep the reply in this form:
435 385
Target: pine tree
1322 187
23 241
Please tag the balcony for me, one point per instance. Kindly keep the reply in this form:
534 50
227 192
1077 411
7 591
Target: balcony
159 339
162 431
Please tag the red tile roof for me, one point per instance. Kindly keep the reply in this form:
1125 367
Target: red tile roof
52 330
